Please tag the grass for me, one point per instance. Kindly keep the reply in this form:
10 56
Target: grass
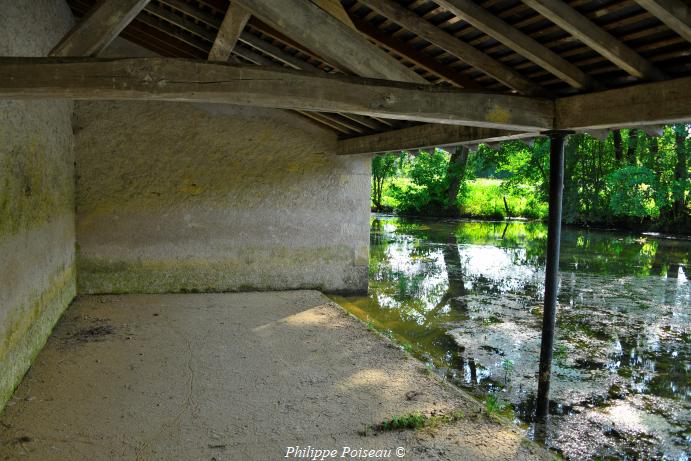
413 421
483 199
407 347
495 406
560 354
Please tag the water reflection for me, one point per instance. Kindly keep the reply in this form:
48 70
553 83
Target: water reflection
467 297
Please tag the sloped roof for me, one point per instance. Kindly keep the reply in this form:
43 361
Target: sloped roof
187 28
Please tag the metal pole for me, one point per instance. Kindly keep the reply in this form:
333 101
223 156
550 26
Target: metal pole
556 186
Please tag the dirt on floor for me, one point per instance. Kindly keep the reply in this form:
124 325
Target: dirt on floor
238 376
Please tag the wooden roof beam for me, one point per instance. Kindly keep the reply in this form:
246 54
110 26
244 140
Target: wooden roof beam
98 28
308 24
320 119
233 23
655 103
425 136
426 62
465 52
513 38
674 13
166 79
596 38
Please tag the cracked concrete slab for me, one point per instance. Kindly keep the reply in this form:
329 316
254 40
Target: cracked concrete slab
232 376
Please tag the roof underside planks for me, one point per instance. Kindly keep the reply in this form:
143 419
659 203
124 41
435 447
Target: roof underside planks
654 31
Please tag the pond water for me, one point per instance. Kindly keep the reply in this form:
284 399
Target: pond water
466 297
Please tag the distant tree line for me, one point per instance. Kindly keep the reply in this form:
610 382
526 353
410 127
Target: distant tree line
628 179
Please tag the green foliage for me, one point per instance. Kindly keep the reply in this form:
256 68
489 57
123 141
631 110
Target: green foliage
428 186
629 178
560 354
485 198
383 167
409 421
508 367
494 405
633 192
525 165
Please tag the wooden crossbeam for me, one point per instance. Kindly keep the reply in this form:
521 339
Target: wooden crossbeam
425 136
98 28
513 38
306 23
598 39
234 21
646 104
674 13
476 58
166 79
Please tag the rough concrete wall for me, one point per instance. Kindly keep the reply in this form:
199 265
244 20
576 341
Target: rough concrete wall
37 234
175 197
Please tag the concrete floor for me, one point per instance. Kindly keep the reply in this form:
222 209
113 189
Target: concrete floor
232 376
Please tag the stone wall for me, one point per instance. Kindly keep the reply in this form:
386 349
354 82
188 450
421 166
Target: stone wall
177 197
37 233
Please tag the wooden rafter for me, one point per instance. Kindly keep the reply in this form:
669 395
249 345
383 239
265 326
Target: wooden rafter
453 45
518 41
98 28
429 64
596 38
163 79
243 52
674 13
308 24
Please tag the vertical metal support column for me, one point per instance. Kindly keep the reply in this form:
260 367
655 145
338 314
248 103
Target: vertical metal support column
556 187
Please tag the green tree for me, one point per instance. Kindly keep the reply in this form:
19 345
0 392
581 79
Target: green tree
633 192
629 178
681 172
456 175
428 193
383 167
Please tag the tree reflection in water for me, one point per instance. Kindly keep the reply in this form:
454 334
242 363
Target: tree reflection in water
468 297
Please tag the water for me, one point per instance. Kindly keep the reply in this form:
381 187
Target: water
466 297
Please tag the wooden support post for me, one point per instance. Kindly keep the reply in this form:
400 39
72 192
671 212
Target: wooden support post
556 186
231 28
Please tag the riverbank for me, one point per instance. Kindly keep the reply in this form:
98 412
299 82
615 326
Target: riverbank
235 376
681 233
483 199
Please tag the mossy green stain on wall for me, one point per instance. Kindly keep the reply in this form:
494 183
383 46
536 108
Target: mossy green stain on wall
28 329
37 269
35 185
